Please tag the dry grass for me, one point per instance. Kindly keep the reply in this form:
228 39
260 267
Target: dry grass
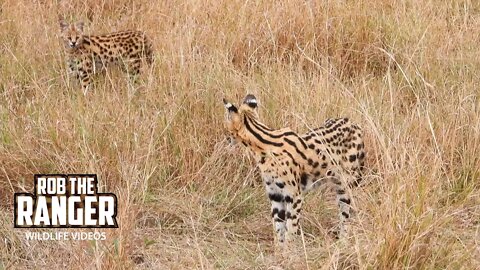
406 70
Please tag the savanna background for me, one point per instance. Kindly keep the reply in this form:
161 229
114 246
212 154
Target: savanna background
405 70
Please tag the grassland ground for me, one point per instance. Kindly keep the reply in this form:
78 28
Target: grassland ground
405 70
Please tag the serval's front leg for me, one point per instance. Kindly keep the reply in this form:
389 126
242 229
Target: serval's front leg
85 80
278 217
277 200
293 202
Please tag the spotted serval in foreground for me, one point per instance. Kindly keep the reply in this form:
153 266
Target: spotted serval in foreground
291 165
89 54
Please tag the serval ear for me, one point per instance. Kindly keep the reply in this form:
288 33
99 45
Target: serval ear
229 106
232 117
63 24
251 101
79 25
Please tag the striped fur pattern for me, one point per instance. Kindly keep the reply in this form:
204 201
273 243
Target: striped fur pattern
291 165
89 54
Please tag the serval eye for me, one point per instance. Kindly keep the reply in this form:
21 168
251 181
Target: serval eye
292 164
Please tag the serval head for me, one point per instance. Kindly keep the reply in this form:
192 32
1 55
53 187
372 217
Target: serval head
72 34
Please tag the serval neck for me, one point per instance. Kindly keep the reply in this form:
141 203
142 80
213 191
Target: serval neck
262 140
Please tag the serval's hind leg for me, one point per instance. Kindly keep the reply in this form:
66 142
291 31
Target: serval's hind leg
343 202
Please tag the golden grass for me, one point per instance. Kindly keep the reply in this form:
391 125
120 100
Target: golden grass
407 71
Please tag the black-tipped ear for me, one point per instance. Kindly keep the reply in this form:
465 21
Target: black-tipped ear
251 101
229 106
